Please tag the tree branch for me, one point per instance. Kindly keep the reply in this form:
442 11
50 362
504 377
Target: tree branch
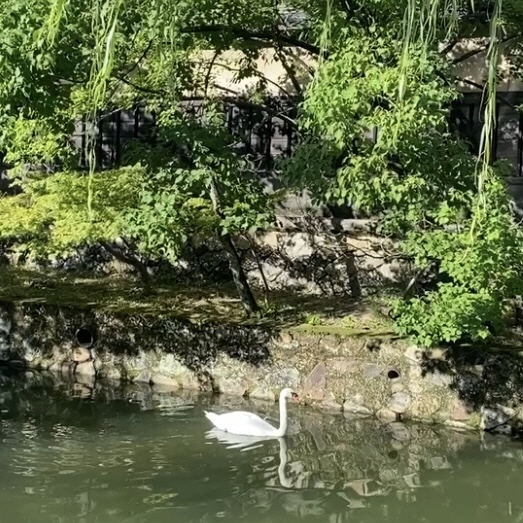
209 72
263 107
289 71
305 65
276 36
140 88
139 61
448 48
474 52
502 99
257 74
130 259
122 77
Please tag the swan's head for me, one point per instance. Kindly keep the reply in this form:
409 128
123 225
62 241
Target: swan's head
288 394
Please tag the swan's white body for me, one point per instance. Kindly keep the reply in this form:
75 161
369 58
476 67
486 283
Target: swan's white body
248 424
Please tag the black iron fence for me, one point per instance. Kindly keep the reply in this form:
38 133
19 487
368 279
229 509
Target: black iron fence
266 133
467 115
262 133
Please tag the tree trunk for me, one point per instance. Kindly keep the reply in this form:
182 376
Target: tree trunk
260 268
238 275
354 281
133 261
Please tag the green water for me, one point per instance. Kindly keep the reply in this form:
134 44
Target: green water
69 453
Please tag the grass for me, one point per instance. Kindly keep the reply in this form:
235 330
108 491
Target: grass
321 315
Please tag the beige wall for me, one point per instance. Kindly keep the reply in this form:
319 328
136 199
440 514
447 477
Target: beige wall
224 70
474 68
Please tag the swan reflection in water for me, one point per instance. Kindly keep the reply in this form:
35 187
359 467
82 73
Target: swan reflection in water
298 492
246 443
293 494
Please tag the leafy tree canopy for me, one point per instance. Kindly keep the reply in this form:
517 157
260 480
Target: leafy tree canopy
377 67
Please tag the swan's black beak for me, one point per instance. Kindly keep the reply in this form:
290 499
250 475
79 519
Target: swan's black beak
294 396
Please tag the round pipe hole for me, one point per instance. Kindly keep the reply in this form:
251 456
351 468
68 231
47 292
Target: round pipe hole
393 374
85 337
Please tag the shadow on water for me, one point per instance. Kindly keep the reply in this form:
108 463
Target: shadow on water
129 454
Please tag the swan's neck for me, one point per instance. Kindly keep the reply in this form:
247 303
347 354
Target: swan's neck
283 417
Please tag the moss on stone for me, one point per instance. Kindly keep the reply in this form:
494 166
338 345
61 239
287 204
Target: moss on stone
339 330
474 421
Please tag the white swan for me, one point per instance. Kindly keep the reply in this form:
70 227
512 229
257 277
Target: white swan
248 424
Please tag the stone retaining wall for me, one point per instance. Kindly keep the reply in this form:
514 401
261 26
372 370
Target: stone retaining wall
386 378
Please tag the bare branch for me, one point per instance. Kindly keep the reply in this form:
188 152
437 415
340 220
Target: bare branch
275 36
474 52
132 260
140 59
257 74
448 48
239 102
306 66
122 77
141 88
290 72
209 72
502 99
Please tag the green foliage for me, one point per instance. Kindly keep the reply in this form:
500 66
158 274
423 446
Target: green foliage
313 319
51 216
413 167
203 190
482 271
30 141
164 220
416 176
94 60
448 315
379 68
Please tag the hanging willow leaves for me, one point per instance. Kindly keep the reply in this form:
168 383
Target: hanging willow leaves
448 206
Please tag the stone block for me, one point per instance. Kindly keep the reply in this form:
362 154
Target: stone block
81 354
355 408
85 368
164 381
143 377
496 416
386 415
314 386
263 393
400 402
